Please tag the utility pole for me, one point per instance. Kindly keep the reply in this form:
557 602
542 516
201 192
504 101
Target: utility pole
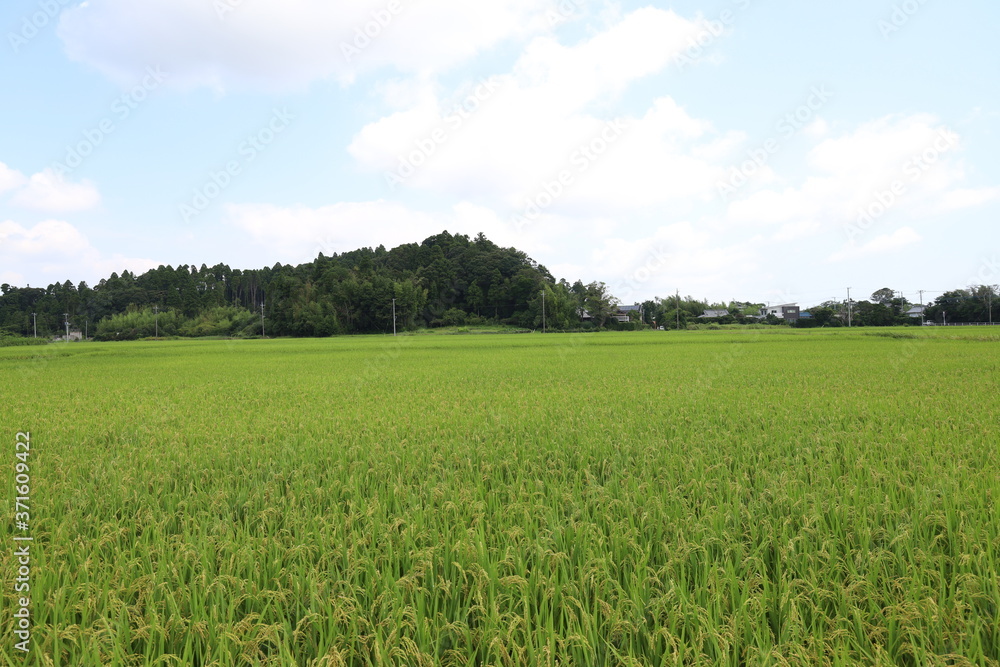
849 307
921 296
543 311
66 317
393 317
34 323
262 334
156 321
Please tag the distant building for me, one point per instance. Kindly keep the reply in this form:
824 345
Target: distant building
74 336
917 311
785 311
714 313
623 312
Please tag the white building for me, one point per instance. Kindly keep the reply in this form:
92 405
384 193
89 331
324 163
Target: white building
785 311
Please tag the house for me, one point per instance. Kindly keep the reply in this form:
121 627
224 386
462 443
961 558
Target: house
74 336
623 312
917 311
721 312
785 311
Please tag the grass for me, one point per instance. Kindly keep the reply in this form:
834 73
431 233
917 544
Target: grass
18 341
660 498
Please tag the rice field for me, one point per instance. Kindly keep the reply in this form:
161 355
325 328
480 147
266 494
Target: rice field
823 497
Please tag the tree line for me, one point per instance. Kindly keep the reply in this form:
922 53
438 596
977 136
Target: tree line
447 280
885 307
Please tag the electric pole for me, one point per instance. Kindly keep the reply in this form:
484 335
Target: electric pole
393 317
848 306
678 311
34 323
156 321
262 334
66 317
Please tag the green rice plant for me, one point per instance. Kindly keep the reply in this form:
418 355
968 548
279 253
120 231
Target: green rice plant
756 497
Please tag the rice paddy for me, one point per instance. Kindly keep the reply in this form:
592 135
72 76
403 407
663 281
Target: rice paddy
656 498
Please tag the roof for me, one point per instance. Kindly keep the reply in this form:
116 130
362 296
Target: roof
630 309
715 313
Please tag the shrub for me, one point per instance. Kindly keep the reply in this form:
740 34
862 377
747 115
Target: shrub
454 317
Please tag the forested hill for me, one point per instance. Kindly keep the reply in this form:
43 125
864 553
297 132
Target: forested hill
445 280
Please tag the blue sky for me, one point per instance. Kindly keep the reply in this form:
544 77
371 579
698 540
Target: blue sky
739 149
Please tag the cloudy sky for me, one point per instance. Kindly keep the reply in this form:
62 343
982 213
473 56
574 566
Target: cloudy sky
772 150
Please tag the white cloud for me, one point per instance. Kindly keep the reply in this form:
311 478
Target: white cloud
967 198
56 251
10 179
885 243
818 129
49 191
11 278
52 236
246 43
846 175
297 234
542 119
798 230
681 253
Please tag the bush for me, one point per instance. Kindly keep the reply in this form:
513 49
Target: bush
221 321
454 317
137 324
